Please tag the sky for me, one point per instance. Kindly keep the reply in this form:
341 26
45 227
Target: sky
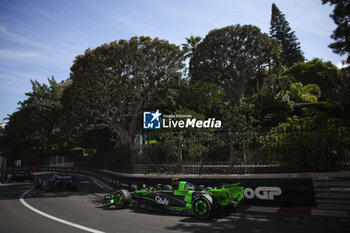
40 39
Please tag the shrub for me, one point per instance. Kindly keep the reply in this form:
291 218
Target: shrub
309 143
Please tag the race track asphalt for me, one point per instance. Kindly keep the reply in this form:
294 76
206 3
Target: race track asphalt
81 208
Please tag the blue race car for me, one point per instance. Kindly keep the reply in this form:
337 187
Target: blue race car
57 183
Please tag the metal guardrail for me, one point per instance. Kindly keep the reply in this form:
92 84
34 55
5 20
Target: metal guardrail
332 193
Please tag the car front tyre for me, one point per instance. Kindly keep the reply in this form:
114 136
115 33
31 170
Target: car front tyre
122 199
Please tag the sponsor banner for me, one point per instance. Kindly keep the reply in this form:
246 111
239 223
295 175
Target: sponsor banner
298 192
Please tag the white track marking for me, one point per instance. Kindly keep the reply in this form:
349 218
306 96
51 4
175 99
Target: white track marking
21 199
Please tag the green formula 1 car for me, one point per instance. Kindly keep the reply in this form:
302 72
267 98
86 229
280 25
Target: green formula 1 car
204 203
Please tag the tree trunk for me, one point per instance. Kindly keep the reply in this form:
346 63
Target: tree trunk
125 138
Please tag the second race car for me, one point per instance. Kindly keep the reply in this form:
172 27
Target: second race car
57 183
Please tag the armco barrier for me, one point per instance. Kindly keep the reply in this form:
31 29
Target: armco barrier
281 192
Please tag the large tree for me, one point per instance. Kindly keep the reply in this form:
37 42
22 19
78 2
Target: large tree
232 55
115 82
37 116
280 30
341 35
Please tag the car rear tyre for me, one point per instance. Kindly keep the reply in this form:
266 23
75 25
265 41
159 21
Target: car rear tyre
202 208
122 199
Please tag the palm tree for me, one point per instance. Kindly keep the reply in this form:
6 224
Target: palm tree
308 93
191 45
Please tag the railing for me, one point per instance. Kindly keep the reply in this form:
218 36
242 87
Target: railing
299 150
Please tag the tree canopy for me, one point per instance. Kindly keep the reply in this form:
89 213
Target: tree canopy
115 82
341 35
250 81
316 72
230 56
37 116
280 30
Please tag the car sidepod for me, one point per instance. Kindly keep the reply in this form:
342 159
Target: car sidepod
161 200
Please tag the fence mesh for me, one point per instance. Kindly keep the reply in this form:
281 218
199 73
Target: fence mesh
275 151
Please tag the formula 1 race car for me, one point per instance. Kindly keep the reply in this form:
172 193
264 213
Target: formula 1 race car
57 183
204 203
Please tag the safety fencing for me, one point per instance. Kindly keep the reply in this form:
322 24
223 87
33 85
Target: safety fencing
274 151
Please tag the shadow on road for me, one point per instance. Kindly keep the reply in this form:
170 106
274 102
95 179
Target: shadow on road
255 222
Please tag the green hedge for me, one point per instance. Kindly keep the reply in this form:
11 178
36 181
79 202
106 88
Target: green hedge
309 143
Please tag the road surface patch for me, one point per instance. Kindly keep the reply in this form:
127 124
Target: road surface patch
21 199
